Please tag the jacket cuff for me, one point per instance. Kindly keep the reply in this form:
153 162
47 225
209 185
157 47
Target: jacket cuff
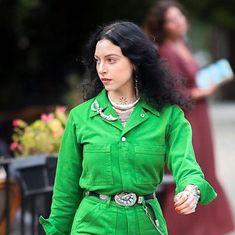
207 193
48 227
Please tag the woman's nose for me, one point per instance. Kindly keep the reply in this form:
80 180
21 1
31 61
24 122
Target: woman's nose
101 67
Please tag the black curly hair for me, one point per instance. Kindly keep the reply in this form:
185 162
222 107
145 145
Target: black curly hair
155 83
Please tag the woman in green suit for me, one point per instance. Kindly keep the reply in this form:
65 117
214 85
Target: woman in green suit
116 144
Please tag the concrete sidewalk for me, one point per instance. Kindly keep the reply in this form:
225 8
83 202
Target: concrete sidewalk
222 116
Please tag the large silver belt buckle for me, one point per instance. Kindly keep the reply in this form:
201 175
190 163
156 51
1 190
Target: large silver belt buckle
125 199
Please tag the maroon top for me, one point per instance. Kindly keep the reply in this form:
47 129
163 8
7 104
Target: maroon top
215 218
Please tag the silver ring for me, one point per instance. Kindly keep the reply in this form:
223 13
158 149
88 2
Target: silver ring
187 193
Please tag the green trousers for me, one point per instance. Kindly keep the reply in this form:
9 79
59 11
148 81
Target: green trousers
99 217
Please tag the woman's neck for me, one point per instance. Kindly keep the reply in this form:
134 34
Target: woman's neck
122 97
181 49
174 41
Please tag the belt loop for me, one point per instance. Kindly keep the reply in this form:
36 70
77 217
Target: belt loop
105 198
108 201
140 199
154 195
85 193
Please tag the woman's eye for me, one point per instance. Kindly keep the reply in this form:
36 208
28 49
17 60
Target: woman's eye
111 60
96 61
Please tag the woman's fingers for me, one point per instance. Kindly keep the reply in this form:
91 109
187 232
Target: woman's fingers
188 209
185 203
180 198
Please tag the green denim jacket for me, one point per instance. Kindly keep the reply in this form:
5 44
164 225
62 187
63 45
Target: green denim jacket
103 156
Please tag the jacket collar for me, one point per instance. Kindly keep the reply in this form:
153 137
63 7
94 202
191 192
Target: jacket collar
147 106
102 100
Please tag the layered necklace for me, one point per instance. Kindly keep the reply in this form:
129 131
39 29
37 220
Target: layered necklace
123 110
123 106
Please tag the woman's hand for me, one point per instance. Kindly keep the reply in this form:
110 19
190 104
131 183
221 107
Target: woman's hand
187 200
198 93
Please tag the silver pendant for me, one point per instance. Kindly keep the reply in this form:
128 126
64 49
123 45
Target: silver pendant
95 107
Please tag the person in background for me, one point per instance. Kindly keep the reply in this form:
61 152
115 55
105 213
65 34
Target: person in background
167 26
117 142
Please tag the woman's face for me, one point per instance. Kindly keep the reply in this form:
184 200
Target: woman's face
114 69
175 24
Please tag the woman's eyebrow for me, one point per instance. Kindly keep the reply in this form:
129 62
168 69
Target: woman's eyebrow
107 55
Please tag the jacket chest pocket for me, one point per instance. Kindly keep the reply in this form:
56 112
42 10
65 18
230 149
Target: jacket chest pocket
97 167
149 164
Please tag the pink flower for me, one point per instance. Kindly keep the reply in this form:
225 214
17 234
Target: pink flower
47 118
18 123
60 109
13 146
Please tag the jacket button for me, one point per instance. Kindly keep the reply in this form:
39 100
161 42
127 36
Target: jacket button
142 115
123 138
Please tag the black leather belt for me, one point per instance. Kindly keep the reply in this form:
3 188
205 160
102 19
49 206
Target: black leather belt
123 198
